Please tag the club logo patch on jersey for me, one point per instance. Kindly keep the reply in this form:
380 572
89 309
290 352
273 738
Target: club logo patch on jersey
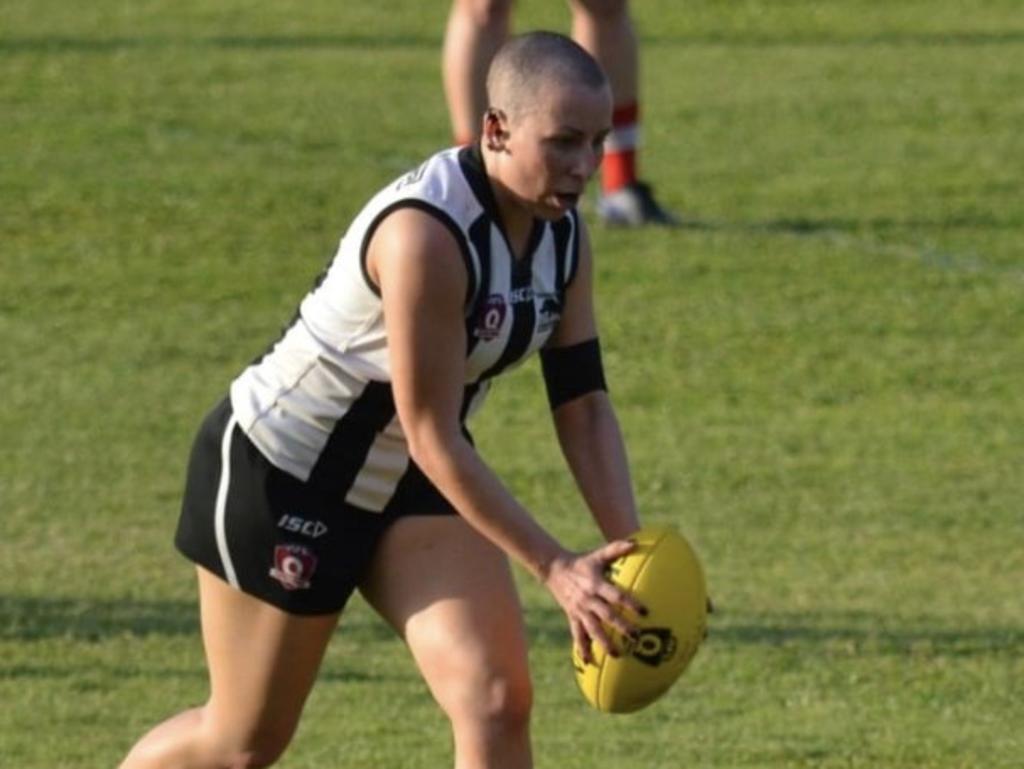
293 566
492 315
548 313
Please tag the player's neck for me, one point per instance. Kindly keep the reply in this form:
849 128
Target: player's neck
515 218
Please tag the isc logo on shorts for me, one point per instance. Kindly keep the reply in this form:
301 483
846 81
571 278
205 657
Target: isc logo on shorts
299 525
293 566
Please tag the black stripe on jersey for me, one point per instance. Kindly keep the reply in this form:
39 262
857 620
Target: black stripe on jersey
532 243
524 318
480 235
575 263
350 441
561 231
467 400
472 279
472 164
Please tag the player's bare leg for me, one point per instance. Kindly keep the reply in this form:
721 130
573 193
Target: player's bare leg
475 31
605 29
450 594
262 665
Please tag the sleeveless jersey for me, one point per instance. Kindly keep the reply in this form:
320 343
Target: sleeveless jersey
319 404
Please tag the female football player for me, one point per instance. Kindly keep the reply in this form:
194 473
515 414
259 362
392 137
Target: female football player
340 460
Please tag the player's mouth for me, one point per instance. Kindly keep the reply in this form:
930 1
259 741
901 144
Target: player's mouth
567 200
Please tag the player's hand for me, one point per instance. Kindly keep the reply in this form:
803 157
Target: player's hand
589 600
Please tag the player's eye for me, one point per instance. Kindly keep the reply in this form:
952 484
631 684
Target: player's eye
564 141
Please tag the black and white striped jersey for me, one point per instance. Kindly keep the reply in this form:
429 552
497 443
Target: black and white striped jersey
319 403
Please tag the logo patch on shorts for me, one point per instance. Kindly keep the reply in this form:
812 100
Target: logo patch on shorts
293 566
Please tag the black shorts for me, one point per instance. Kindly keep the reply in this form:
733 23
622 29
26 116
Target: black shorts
290 543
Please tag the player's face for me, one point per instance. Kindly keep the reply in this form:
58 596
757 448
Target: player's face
557 147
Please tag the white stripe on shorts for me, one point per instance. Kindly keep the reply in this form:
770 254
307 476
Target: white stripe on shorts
222 498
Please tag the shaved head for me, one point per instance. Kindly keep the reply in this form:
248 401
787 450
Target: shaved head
529 64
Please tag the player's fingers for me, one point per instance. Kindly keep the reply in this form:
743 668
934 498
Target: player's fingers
629 601
596 630
622 625
582 641
612 615
616 596
619 604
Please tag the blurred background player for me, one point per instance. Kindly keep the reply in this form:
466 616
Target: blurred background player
475 31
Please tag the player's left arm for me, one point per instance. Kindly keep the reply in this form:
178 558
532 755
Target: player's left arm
585 421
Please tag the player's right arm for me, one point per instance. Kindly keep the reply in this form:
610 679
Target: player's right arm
586 423
416 263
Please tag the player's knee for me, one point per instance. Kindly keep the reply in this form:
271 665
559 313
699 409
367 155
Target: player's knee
601 10
498 702
256 756
508 701
260 750
215 754
487 13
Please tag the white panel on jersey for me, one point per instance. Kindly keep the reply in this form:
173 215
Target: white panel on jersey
545 296
290 409
495 321
385 464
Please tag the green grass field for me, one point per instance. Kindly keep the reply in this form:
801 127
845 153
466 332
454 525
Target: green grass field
821 379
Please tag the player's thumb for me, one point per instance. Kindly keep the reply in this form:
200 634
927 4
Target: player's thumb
615 549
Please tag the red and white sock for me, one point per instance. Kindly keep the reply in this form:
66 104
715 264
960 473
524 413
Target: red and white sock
619 167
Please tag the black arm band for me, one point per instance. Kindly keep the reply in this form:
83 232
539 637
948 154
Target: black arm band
570 372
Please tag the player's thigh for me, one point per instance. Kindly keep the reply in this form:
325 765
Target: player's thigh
451 595
262 664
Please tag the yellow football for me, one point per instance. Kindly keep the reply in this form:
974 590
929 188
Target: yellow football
664 574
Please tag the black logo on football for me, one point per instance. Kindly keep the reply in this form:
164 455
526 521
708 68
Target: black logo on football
654 646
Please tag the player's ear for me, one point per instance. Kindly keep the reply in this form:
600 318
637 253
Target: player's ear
495 129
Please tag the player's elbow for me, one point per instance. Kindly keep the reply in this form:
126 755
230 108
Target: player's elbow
432 447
